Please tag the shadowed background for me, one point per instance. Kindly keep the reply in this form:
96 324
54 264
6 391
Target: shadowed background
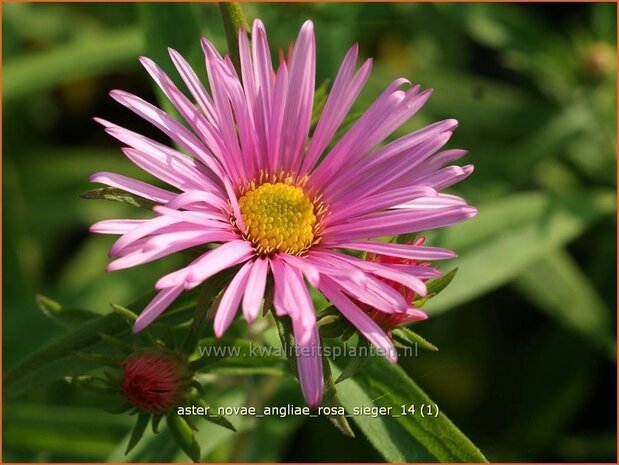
527 364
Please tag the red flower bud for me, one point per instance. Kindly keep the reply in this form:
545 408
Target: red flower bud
388 321
155 380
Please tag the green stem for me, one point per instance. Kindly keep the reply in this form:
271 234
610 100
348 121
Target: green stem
233 19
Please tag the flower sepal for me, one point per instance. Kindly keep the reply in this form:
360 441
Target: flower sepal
435 287
404 337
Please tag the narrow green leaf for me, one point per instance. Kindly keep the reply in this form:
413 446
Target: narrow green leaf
99 359
284 330
356 363
92 383
183 435
558 287
119 409
403 438
138 431
409 337
511 234
208 292
89 56
155 423
213 417
67 317
124 312
435 286
236 357
331 399
126 347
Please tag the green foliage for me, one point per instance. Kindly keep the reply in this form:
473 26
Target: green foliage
90 56
382 384
512 233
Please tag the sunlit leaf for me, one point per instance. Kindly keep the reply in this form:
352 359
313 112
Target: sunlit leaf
403 438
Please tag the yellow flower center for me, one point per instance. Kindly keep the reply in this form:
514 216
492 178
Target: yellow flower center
278 216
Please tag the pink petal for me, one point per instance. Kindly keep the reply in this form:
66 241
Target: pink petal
230 301
202 198
359 319
194 85
162 245
142 230
397 250
173 129
163 162
309 363
392 223
446 177
300 99
277 119
386 177
133 186
115 226
377 202
345 90
156 307
254 292
226 255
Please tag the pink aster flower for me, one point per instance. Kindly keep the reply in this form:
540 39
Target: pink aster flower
277 200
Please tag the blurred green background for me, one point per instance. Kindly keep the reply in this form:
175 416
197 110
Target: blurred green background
527 361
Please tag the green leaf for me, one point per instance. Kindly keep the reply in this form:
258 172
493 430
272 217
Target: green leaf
403 438
67 317
408 337
89 56
92 383
208 293
356 363
138 431
85 336
557 286
68 431
435 286
118 195
511 234
99 359
155 423
284 330
125 347
123 407
331 399
183 435
213 418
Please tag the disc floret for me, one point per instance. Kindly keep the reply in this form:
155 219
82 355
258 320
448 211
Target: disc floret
279 216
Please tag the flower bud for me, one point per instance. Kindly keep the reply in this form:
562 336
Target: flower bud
155 380
388 321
